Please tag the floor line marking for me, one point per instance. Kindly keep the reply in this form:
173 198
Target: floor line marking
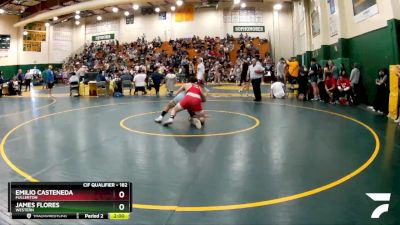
255 125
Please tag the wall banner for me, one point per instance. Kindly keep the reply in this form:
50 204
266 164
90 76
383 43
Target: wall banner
249 29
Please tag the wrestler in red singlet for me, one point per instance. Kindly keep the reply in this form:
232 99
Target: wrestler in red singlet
192 100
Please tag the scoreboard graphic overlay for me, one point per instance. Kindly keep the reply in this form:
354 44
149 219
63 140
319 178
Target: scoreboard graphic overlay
70 200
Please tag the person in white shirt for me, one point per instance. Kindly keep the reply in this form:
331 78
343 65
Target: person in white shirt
256 72
81 72
170 82
217 73
73 78
200 71
280 69
140 82
277 90
28 79
74 83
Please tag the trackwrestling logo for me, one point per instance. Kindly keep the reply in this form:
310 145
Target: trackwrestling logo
379 197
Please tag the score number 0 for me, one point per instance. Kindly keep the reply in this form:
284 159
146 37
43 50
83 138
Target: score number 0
121 206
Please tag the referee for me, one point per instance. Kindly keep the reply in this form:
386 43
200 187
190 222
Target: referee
256 72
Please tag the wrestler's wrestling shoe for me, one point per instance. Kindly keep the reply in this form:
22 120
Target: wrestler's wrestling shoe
197 123
158 119
168 122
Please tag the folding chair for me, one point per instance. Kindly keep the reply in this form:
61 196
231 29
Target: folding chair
102 88
73 86
127 84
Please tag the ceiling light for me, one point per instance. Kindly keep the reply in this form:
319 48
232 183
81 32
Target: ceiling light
115 9
77 22
77 17
236 2
47 24
157 9
2 11
173 8
278 6
243 5
135 6
25 33
179 2
78 12
126 13
99 18
55 18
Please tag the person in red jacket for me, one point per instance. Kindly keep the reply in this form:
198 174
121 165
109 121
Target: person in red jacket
330 87
344 88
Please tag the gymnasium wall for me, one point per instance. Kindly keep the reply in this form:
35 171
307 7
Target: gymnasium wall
372 43
207 22
15 58
9 57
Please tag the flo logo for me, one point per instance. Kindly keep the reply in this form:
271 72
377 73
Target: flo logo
379 197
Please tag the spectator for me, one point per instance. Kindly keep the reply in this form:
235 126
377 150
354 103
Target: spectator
217 73
237 70
344 88
244 77
277 89
11 88
81 72
170 82
245 68
354 81
314 76
157 78
303 84
293 69
20 78
50 79
333 69
74 78
200 70
255 73
381 101
28 80
140 82
330 88
321 83
280 69
327 70
191 68
343 70
117 85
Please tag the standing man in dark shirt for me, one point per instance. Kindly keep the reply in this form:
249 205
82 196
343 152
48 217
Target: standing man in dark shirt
313 76
157 79
20 79
243 75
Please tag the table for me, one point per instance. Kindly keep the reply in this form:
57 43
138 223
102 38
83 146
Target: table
90 89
